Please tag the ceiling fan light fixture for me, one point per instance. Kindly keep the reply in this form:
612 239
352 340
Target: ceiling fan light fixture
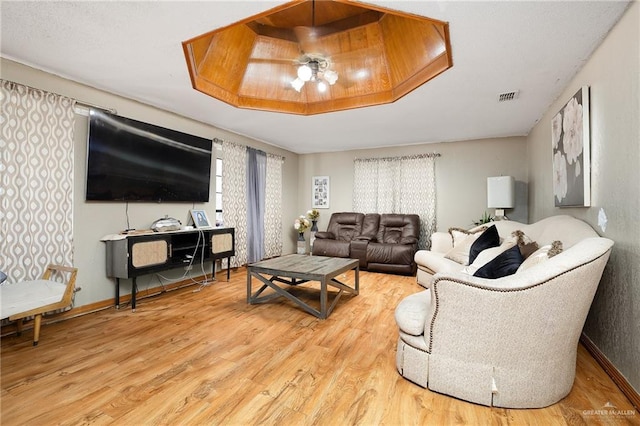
364 56
297 84
322 86
330 76
304 72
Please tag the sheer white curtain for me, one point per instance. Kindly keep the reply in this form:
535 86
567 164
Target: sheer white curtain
235 201
398 185
36 180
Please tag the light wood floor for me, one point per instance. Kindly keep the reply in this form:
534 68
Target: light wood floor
207 358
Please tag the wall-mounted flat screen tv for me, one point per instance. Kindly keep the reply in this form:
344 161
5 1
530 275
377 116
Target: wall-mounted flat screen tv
128 160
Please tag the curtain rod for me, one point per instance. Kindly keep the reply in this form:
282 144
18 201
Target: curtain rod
405 157
94 106
77 102
222 142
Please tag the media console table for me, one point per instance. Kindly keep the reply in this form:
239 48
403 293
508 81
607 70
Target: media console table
135 254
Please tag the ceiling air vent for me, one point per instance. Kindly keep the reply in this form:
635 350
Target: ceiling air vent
508 96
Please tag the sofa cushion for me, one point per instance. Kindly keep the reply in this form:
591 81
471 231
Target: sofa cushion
436 262
412 312
370 226
346 225
394 228
390 253
487 239
332 248
506 263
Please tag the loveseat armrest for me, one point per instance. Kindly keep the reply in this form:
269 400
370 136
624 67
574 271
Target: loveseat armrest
325 235
441 242
359 251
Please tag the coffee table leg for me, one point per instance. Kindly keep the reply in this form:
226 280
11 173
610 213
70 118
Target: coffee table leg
323 298
249 286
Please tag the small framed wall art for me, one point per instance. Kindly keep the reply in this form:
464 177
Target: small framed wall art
320 192
571 152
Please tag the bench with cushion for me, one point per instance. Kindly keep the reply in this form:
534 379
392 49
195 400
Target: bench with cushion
34 298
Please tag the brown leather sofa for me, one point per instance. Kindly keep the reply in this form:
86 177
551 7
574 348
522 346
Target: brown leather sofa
381 242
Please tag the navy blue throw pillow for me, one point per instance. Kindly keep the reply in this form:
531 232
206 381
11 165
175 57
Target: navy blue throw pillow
506 263
487 239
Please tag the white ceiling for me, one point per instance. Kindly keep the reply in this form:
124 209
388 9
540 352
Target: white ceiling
134 49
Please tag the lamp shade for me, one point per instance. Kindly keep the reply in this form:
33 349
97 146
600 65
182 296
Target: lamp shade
501 192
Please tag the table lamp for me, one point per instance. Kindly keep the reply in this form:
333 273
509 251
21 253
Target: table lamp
501 194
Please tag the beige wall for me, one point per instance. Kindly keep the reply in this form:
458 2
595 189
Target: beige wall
613 74
461 177
94 220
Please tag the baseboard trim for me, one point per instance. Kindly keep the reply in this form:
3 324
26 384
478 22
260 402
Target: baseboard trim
632 395
103 304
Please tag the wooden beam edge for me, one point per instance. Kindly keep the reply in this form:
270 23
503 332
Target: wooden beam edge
632 395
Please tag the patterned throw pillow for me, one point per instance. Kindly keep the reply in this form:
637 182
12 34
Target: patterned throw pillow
527 245
462 241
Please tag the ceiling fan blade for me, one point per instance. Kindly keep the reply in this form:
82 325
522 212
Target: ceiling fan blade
359 55
287 61
309 38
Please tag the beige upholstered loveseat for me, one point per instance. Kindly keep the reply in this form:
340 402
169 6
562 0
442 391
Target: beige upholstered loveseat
564 228
510 341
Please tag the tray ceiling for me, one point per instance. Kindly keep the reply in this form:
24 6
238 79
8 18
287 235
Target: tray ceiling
133 49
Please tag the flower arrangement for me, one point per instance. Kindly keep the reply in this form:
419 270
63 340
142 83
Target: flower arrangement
301 224
313 214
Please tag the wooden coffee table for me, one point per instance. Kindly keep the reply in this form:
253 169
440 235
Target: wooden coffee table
296 269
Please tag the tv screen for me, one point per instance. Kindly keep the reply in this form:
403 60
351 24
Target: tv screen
128 160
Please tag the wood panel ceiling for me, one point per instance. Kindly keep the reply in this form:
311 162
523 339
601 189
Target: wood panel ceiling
379 55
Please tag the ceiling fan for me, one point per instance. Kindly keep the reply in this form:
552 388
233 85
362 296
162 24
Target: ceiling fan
313 67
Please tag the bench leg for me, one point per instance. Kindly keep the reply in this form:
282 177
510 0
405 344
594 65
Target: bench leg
19 327
36 329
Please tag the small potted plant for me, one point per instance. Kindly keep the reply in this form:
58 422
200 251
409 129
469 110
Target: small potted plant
486 218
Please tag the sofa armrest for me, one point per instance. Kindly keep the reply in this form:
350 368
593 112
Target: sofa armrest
358 250
325 235
441 242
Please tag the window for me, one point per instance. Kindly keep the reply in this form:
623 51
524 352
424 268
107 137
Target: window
218 191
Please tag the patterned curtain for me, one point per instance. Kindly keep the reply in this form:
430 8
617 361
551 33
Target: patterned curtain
234 196
273 207
36 180
234 200
398 185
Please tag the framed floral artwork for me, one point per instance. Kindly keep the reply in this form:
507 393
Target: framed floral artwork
320 192
571 152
